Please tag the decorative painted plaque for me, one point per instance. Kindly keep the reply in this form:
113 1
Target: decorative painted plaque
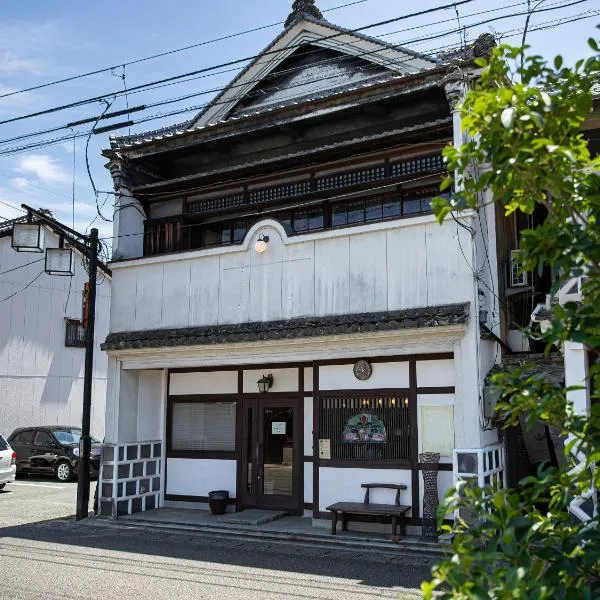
364 427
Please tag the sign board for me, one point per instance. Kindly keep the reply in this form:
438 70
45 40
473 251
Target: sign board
436 429
325 449
278 428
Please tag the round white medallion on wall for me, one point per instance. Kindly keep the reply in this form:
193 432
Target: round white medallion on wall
362 370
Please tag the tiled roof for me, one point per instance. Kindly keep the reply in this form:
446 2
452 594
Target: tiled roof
431 316
300 153
6 226
187 126
551 367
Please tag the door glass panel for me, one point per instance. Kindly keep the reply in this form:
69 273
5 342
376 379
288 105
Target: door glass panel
278 451
250 453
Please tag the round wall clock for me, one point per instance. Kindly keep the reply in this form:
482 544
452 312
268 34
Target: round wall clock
362 370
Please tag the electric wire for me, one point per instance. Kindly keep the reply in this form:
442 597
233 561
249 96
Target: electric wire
13 207
250 94
237 61
299 205
553 24
33 262
162 54
87 160
22 289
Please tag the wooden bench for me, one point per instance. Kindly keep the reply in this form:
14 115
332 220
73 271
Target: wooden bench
396 511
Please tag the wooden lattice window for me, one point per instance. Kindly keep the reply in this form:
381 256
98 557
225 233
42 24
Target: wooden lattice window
366 427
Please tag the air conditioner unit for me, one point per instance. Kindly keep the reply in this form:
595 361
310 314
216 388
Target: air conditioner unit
517 275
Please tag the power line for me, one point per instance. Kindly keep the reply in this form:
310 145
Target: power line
44 143
234 62
162 54
438 35
33 262
13 207
276 209
22 289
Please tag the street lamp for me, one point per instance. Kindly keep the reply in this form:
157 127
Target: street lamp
60 261
265 383
29 237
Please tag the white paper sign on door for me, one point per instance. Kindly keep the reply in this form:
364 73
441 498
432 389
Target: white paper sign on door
278 428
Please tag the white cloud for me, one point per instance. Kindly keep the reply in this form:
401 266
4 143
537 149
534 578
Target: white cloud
26 47
81 209
44 167
9 206
21 183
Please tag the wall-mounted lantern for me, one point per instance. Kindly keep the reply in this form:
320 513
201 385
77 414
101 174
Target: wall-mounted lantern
28 237
261 243
60 261
265 383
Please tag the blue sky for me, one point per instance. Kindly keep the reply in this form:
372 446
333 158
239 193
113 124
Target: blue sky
43 41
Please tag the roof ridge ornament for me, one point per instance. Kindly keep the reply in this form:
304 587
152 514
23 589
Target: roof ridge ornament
302 9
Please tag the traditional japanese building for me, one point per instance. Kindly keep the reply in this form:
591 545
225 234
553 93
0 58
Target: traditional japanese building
288 318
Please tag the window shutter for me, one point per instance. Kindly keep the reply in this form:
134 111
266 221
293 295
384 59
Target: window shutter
203 426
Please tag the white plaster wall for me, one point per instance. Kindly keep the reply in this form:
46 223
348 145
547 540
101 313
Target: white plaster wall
197 477
385 375
377 267
308 379
308 426
435 373
576 374
308 482
150 405
343 485
128 406
203 382
41 380
469 388
128 226
284 380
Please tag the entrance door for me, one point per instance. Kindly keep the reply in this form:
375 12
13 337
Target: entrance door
271 454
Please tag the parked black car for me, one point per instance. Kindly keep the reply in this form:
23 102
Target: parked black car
51 449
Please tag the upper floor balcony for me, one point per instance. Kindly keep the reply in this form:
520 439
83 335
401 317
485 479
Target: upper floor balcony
381 266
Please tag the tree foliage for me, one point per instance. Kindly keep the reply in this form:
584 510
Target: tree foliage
524 118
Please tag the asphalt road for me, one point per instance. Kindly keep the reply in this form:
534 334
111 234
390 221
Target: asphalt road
33 499
45 554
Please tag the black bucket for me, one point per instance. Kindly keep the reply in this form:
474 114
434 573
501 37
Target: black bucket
217 501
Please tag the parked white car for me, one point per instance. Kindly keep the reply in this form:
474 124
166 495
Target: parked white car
8 463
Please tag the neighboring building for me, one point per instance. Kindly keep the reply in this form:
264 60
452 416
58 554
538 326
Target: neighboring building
41 339
568 365
288 319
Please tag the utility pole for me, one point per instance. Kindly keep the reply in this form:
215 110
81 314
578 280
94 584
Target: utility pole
85 443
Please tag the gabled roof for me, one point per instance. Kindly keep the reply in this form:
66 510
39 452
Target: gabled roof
350 58
319 33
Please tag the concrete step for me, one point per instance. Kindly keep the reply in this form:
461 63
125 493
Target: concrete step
408 547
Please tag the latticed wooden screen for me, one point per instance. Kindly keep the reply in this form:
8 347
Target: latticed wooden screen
373 427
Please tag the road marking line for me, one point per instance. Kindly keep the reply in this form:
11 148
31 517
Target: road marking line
55 487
